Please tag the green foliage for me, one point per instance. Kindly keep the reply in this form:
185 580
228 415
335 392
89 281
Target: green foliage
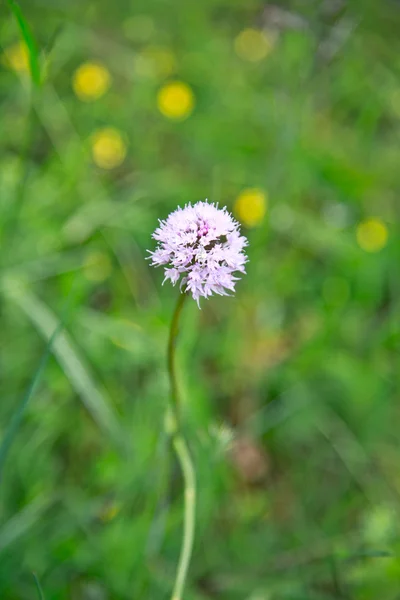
290 388
29 39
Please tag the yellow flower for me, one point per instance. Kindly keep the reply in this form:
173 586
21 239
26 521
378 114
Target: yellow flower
91 81
175 100
372 235
108 148
253 45
17 57
97 266
251 206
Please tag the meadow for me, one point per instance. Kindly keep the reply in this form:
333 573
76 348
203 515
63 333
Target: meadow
112 115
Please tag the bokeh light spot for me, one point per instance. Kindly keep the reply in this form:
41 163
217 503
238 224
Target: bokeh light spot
282 218
155 62
372 235
139 29
108 148
336 215
253 45
17 57
379 524
175 100
251 206
97 266
91 81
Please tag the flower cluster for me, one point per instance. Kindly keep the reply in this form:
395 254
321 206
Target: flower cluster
201 246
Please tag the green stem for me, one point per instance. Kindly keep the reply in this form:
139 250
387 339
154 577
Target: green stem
38 587
185 461
189 477
173 334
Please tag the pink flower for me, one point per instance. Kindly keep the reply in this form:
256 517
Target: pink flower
200 245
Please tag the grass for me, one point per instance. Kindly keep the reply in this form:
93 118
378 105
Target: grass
290 389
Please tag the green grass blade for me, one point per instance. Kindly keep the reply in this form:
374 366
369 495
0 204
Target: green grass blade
38 587
29 40
18 415
20 524
69 359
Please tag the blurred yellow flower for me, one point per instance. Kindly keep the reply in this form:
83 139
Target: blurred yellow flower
175 100
253 45
91 81
372 235
97 266
108 148
251 206
17 57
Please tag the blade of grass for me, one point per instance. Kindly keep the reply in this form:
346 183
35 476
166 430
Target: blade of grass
18 415
23 521
28 37
69 359
351 452
38 587
28 140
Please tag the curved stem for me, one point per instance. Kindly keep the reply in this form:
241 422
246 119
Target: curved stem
185 461
189 477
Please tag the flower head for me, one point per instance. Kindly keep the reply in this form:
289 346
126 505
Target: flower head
91 81
108 148
201 246
176 100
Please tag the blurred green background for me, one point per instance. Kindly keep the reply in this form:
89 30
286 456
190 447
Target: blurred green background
289 114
